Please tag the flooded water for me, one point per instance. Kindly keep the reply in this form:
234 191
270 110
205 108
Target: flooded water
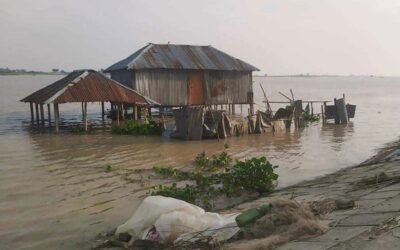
55 192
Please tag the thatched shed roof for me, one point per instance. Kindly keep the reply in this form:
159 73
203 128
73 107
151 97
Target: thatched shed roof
87 86
173 56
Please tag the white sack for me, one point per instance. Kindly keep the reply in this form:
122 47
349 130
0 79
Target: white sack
173 218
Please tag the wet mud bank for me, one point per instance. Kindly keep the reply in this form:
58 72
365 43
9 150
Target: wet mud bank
335 211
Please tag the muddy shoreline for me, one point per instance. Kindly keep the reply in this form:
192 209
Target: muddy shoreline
353 183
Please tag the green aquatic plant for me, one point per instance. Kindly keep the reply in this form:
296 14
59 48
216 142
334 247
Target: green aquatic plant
108 168
148 127
254 175
214 161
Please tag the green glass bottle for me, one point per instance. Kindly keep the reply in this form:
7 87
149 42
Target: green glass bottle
251 215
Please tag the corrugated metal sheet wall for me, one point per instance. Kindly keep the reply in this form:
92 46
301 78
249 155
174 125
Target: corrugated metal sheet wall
168 87
223 87
124 76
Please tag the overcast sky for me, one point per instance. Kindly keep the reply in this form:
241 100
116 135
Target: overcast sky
277 36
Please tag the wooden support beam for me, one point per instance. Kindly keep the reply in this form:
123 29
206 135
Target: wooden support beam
233 109
251 109
37 114
56 117
135 117
121 107
42 115
83 111
102 111
32 115
49 114
118 110
85 119
337 120
312 109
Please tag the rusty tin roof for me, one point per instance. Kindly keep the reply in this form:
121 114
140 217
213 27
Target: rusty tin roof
87 86
172 56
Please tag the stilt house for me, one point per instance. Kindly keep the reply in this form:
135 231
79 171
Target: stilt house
183 75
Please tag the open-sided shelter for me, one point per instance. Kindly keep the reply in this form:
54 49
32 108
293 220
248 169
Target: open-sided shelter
83 86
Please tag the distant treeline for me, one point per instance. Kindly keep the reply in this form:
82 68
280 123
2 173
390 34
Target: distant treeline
7 71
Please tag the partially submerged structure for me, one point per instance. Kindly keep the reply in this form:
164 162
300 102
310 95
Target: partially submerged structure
82 86
184 75
191 78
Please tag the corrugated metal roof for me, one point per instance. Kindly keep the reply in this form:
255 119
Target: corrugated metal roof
87 86
172 56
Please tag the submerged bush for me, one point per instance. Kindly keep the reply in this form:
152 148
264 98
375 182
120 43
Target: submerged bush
137 128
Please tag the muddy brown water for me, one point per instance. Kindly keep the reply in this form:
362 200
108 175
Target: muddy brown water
55 192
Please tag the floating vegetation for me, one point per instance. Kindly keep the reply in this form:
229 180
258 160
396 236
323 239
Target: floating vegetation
108 168
254 175
215 161
148 127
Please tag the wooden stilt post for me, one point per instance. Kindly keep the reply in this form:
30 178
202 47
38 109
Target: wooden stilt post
122 111
233 109
102 111
32 115
83 111
337 120
135 112
49 114
118 110
56 116
85 119
312 109
241 108
42 115
37 114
